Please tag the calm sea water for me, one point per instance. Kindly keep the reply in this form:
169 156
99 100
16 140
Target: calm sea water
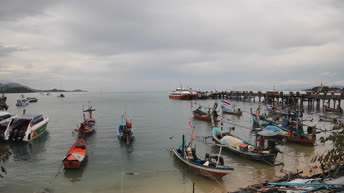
146 165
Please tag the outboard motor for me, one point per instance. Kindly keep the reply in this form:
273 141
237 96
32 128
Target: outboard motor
309 130
21 135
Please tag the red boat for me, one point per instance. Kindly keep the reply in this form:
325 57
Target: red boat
89 125
206 116
338 110
76 155
307 140
183 94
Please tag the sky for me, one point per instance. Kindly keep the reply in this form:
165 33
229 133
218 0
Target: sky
127 45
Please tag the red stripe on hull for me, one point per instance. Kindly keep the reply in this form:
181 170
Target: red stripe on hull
183 97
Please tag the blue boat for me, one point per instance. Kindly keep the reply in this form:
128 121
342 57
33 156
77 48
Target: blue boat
125 131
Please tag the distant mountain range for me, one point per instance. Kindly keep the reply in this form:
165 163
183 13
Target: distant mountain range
18 88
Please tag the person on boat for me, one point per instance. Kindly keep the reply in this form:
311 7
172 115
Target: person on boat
215 105
261 143
215 113
272 147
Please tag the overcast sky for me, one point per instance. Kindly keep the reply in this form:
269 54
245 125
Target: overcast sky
154 45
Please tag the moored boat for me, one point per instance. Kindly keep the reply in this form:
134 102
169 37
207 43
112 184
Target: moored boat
61 95
328 118
22 102
32 99
296 136
210 166
206 116
244 148
76 155
125 131
26 128
231 111
88 126
337 110
226 108
282 111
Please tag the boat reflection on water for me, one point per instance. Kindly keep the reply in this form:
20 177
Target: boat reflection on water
27 151
75 175
202 183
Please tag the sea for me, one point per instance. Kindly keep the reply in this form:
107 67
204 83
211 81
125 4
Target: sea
147 165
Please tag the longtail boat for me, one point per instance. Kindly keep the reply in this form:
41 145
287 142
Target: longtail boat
88 126
297 136
261 121
231 111
76 155
281 111
337 110
210 166
206 116
328 118
243 148
124 130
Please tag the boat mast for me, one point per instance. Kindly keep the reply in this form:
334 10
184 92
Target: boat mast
218 157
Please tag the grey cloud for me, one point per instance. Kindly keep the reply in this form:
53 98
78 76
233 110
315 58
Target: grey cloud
16 9
227 44
5 51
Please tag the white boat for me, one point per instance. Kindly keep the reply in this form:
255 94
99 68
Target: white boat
32 99
5 119
22 102
26 128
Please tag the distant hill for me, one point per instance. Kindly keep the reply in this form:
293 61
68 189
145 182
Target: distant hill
324 88
18 88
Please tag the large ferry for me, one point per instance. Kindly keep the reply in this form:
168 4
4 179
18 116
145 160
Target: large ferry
184 94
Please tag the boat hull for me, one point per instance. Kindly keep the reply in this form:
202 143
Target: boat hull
182 97
203 170
71 164
123 137
76 155
84 133
333 110
232 112
308 140
269 158
36 133
204 118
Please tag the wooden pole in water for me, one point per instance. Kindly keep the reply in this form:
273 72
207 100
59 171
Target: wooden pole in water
193 187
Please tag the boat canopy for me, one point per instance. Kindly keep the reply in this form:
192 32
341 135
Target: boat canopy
36 118
267 133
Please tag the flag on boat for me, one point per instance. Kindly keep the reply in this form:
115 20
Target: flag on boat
226 103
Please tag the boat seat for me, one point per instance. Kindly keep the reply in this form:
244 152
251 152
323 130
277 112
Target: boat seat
81 146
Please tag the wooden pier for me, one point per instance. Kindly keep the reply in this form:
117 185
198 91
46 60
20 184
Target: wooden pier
289 98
